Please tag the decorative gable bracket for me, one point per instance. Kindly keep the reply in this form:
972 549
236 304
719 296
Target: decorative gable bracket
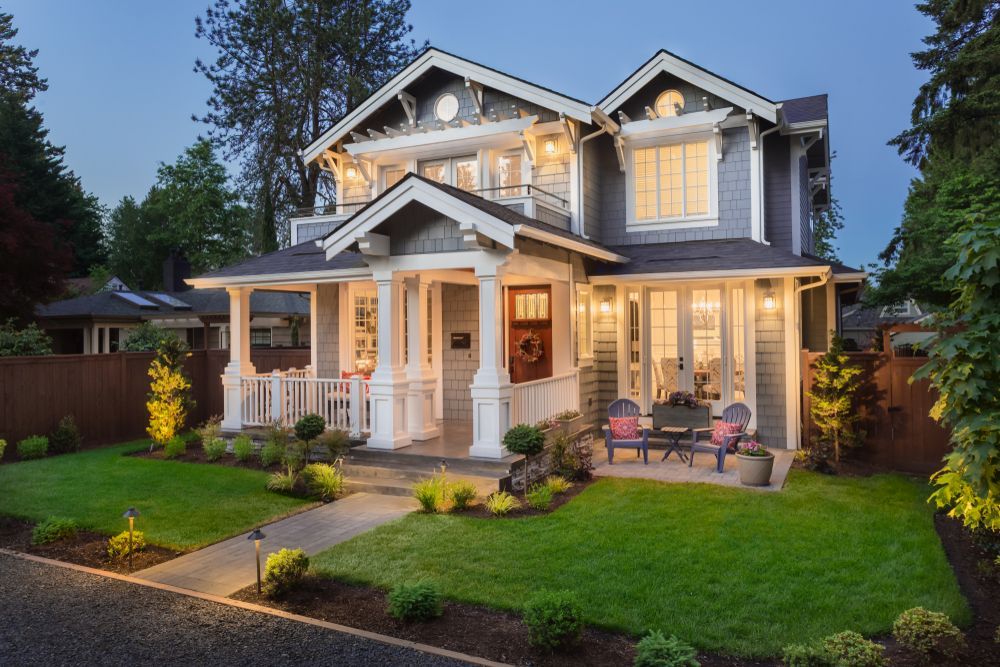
571 131
753 127
409 103
717 133
476 90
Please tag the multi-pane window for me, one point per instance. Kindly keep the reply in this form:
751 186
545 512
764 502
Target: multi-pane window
365 334
260 337
466 174
671 181
392 175
737 321
584 346
706 340
509 174
462 172
435 171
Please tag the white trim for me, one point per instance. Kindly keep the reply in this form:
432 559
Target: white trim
659 127
447 140
793 334
483 76
750 371
795 152
756 193
709 274
666 62
279 279
568 244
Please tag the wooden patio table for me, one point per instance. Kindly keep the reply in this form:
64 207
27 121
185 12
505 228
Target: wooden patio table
674 435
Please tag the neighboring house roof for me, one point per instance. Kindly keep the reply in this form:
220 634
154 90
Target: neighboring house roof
805 109
436 58
860 318
665 61
711 257
191 303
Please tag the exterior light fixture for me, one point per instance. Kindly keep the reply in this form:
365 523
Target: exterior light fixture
550 146
351 173
605 306
257 536
769 301
131 513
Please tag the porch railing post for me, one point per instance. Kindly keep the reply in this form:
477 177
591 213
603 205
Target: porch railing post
277 400
356 396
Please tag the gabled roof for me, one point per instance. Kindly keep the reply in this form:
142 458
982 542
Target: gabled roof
665 61
431 58
197 303
303 260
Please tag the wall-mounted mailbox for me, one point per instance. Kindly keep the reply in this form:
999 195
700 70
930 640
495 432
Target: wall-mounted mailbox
461 341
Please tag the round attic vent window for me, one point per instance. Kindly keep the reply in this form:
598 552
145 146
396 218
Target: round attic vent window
666 101
446 107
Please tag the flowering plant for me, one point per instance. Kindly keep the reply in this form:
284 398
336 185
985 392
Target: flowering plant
683 398
751 448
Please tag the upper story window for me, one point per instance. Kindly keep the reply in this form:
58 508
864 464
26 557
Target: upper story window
669 103
509 174
462 172
672 183
446 108
392 175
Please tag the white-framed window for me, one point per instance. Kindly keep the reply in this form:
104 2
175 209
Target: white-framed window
508 174
260 337
584 325
392 174
364 304
672 184
669 103
462 172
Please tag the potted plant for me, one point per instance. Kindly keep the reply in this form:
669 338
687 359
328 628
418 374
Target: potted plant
526 440
682 408
755 463
569 421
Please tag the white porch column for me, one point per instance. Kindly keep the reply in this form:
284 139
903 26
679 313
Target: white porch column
420 398
491 387
389 384
239 357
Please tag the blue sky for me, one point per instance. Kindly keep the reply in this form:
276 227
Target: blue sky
122 89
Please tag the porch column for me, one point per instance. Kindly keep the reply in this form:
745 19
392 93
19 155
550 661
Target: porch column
491 387
389 384
422 382
239 357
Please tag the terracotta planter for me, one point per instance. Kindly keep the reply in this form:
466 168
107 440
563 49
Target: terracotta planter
755 470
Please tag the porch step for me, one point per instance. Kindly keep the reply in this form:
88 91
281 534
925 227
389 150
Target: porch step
429 463
357 480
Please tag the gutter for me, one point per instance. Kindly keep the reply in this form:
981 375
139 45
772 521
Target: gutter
760 170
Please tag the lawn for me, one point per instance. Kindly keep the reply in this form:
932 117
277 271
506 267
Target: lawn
729 570
182 505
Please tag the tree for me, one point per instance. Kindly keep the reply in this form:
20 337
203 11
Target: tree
147 337
170 389
953 140
29 341
826 225
286 70
964 367
835 383
18 74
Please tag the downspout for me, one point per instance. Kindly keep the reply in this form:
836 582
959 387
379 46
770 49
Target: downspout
579 171
760 170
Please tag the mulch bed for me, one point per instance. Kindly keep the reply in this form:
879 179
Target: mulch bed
90 549
195 454
479 510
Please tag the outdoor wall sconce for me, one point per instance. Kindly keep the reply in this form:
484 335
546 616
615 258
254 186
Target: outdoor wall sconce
769 301
550 146
605 306
257 536
351 173
131 513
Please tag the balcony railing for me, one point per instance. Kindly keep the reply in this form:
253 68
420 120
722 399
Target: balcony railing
285 398
526 190
328 209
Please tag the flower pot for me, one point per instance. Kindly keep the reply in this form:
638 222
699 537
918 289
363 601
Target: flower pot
755 470
569 427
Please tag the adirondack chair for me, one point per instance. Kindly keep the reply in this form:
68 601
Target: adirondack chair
623 407
737 413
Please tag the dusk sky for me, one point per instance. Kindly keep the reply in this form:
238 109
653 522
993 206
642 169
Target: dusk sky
122 90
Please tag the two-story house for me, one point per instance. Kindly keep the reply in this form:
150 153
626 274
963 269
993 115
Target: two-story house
501 252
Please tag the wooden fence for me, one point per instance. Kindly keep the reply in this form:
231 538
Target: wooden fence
899 432
106 393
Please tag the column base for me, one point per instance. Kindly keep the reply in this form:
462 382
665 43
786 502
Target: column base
388 411
420 421
490 420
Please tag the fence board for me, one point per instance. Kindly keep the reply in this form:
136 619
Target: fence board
106 393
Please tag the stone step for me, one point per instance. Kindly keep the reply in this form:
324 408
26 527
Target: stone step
388 486
468 466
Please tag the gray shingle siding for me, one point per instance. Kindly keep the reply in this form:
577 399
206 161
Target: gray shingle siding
770 352
327 330
593 153
605 351
635 106
804 198
459 314
421 230
777 192
310 231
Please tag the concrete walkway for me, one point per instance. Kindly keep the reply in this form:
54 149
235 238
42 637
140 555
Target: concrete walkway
226 567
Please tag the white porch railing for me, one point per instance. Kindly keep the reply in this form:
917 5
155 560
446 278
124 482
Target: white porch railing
542 399
285 398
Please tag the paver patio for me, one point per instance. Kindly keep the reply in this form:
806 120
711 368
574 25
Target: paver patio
228 566
672 470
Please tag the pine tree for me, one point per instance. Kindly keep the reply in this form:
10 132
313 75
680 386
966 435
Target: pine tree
835 383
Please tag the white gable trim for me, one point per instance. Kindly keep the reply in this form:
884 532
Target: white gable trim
460 67
410 191
665 62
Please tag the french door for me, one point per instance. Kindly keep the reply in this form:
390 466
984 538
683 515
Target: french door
688 338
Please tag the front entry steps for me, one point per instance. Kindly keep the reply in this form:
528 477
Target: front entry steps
394 474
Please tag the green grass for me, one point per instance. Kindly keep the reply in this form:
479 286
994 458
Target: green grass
729 570
182 505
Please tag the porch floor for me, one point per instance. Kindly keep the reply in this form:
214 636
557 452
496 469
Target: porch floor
672 470
453 443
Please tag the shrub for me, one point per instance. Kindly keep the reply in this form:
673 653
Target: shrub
29 341
526 440
655 650
3 447
176 446
554 620
572 459
807 655
849 649
431 493
309 427
414 602
282 481
210 430
501 503
928 633
66 436
296 454
33 447
243 448
323 481
52 529
462 493
147 337
558 484
540 497
283 571
335 442
567 415
214 449
118 546
170 391
272 452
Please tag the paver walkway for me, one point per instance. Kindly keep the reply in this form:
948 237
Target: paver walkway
672 470
228 566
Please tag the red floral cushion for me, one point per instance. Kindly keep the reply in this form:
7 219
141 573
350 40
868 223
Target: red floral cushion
625 428
721 430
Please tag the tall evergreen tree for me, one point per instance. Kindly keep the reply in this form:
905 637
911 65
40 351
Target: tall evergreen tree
287 70
18 74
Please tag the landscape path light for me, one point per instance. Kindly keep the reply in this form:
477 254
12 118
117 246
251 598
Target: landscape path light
131 513
257 536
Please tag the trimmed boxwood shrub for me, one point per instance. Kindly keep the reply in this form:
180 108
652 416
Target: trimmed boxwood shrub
414 602
928 633
655 650
33 447
310 427
807 655
52 529
176 446
554 620
118 546
284 571
850 649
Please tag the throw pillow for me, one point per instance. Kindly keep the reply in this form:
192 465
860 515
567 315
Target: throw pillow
721 430
625 428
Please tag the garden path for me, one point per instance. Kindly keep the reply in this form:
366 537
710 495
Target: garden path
226 567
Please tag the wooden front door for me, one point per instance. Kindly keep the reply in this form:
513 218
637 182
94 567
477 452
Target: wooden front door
529 310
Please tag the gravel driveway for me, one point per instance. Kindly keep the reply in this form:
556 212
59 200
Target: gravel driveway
53 616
